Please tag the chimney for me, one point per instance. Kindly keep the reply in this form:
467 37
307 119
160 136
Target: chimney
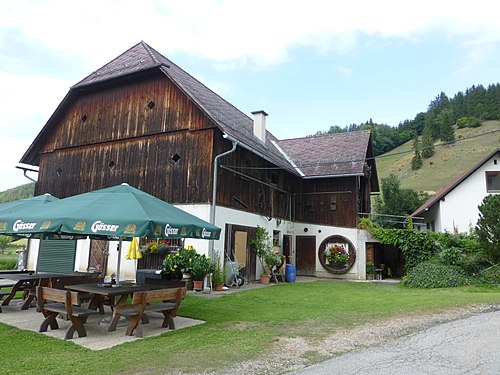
259 125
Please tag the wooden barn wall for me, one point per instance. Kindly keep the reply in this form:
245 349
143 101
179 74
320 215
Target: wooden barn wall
257 187
276 193
328 201
145 163
113 136
151 106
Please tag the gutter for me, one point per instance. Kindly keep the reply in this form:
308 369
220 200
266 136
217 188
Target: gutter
214 188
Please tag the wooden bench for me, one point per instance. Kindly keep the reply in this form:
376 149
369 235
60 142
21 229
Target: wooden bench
166 301
62 282
53 302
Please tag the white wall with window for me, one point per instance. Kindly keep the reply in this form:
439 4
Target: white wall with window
459 208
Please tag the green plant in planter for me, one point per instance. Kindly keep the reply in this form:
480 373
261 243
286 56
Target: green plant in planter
370 269
201 266
262 245
181 262
219 268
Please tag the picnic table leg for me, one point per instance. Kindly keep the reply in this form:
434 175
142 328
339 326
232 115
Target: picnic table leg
134 325
13 292
27 302
114 322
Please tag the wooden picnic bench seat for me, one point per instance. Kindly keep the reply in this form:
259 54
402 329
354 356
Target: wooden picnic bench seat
166 301
62 282
53 302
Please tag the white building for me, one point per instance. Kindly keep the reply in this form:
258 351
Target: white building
454 208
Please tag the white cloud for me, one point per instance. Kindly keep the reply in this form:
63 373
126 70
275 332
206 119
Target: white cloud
260 31
344 70
232 34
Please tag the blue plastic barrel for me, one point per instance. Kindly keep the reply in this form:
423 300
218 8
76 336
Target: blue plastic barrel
290 273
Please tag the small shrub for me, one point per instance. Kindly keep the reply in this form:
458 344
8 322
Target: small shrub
489 276
430 274
450 255
462 122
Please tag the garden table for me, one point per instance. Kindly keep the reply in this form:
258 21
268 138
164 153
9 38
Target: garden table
108 293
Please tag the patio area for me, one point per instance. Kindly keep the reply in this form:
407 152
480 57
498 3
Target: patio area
98 337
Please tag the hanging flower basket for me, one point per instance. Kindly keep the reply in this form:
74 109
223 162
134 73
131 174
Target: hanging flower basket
337 255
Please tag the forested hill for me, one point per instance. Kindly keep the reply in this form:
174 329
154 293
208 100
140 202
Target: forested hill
465 109
450 160
19 192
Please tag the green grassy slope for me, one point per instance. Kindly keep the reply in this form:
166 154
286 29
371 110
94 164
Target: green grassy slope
447 163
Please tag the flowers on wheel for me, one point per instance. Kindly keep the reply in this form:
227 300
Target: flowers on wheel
336 254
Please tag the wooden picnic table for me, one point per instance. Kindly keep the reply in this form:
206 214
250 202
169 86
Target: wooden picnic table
27 283
101 292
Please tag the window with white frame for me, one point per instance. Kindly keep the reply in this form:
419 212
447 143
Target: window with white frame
493 182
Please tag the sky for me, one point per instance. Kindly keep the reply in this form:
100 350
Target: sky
309 64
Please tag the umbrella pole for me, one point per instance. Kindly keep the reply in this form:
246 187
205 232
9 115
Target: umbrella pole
119 261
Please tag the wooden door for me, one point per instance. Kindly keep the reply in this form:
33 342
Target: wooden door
305 248
98 257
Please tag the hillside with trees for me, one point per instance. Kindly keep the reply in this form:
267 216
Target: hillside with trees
453 135
19 192
466 109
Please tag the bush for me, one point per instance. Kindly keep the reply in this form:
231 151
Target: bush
8 264
462 122
430 274
490 276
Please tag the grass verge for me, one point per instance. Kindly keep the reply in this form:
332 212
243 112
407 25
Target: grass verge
239 327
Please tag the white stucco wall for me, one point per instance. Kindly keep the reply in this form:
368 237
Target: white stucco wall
236 217
459 209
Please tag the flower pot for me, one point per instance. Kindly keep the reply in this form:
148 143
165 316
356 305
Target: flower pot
218 287
264 279
198 285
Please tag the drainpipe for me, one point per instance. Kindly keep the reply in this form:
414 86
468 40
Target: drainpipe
214 189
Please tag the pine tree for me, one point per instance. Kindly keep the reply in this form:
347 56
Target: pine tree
427 143
416 162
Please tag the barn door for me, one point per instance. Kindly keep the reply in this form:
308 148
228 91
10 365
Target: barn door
305 247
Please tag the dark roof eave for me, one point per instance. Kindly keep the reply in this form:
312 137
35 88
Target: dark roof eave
333 176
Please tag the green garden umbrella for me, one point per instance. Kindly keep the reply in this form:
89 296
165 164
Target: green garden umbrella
11 213
120 211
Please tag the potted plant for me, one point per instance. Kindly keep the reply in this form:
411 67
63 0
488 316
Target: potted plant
365 223
262 245
337 255
370 270
219 271
200 267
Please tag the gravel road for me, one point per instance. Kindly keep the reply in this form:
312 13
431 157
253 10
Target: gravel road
382 343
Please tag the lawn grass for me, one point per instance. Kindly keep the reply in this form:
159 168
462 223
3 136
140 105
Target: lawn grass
239 327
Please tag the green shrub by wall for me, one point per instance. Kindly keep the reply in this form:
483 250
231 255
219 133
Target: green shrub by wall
430 274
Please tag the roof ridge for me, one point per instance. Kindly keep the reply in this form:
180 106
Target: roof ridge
148 49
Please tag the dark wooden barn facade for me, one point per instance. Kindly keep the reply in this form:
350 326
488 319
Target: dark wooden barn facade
141 119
